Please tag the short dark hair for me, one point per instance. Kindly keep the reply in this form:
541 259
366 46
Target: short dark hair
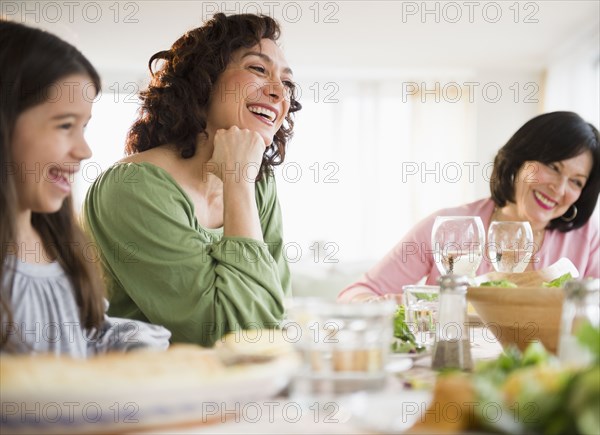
549 138
174 106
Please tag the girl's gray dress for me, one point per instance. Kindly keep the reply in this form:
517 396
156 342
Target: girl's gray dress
45 317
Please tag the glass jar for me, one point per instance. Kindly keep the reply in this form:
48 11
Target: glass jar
344 347
581 306
452 348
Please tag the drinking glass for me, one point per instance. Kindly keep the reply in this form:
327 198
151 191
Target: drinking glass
581 309
344 347
510 245
422 302
457 243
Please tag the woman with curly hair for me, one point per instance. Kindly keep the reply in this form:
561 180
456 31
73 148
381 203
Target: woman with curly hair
188 224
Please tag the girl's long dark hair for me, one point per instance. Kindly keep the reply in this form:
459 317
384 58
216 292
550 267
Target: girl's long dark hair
174 106
31 62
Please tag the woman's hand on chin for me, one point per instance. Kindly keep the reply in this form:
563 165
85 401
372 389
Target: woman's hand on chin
237 154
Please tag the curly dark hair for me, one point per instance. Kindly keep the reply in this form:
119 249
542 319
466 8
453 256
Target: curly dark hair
174 106
549 138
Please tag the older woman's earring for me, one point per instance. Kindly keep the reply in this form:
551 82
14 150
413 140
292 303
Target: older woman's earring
570 218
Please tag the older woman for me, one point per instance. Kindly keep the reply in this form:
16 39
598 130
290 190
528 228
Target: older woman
189 225
548 174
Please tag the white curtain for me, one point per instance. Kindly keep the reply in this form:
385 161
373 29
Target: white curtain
573 77
374 160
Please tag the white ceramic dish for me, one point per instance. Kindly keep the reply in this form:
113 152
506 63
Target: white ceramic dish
388 411
412 356
398 363
147 407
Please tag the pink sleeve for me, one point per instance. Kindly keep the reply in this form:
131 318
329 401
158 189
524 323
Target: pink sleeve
581 246
593 268
409 261
412 258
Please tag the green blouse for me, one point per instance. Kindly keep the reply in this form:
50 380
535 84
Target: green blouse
162 267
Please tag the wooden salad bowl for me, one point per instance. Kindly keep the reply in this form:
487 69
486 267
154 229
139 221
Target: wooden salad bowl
519 315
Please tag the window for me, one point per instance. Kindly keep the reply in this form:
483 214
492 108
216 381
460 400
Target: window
368 163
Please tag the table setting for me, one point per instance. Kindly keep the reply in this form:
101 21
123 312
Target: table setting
473 354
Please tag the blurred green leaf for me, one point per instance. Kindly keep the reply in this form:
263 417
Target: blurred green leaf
584 400
425 296
406 342
499 283
534 354
558 282
589 336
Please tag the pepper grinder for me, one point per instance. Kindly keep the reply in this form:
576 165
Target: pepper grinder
452 348
581 306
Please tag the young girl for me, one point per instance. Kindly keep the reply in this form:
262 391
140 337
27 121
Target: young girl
51 295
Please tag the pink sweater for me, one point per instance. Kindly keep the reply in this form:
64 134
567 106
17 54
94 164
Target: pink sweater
411 259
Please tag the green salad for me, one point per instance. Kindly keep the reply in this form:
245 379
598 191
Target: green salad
558 282
405 340
499 283
538 395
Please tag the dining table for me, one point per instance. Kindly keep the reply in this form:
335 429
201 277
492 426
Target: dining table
346 414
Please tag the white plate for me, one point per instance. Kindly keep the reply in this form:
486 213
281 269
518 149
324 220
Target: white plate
388 411
397 364
412 356
144 407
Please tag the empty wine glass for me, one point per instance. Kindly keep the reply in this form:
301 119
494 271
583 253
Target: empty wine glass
510 245
457 243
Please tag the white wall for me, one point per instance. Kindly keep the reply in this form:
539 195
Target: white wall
372 50
573 76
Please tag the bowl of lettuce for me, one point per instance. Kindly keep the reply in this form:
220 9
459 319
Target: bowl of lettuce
520 315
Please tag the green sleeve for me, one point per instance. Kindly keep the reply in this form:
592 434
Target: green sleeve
161 267
269 211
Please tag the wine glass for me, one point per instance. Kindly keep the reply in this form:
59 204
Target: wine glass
510 245
457 243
